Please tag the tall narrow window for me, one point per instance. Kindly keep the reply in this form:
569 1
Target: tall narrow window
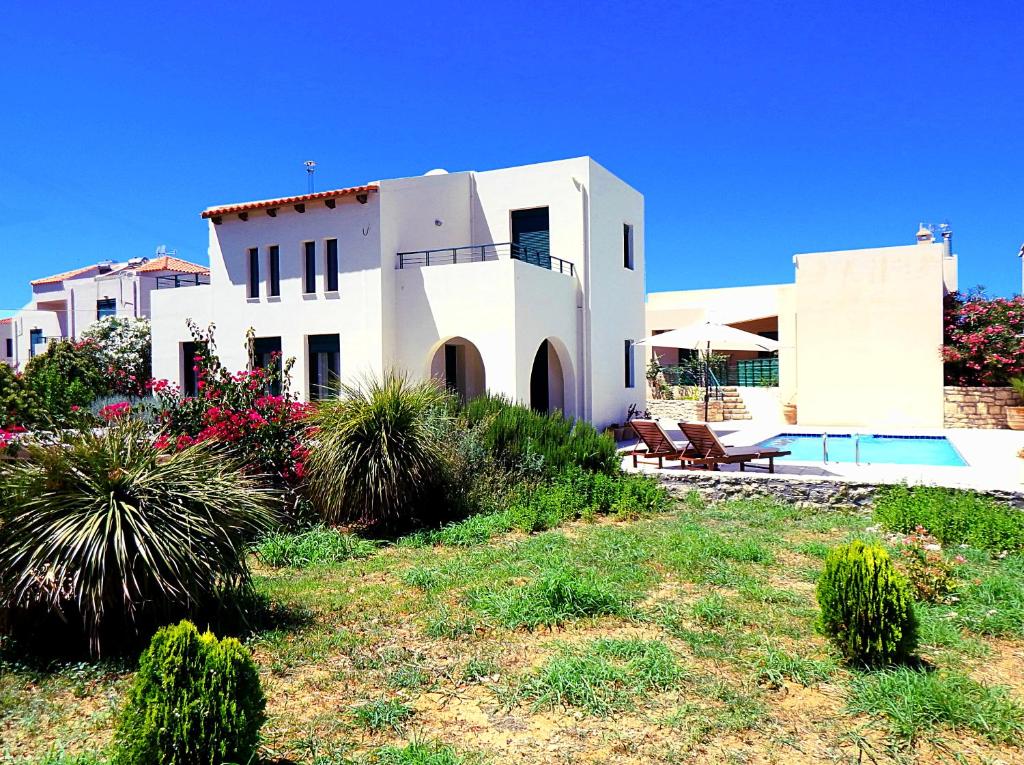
266 354
309 279
331 273
324 365
629 366
627 246
189 369
254 272
106 307
10 347
274 290
35 341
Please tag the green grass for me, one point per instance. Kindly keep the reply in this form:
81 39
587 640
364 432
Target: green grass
423 753
407 677
952 516
59 758
444 624
383 714
557 596
774 666
478 668
317 547
603 676
915 702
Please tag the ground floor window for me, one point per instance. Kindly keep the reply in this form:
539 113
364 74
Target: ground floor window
266 354
190 369
630 377
324 365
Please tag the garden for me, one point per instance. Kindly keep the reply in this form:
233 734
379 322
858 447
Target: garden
396 576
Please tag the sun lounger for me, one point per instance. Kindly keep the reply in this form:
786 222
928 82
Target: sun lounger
705 449
656 443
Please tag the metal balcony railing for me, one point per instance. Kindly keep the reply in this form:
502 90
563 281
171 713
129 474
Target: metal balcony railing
477 253
181 280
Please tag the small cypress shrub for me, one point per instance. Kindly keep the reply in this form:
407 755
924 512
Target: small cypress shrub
195 700
866 605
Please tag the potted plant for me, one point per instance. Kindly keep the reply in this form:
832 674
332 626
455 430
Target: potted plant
1015 414
789 412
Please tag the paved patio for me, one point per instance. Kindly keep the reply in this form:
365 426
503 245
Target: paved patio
991 456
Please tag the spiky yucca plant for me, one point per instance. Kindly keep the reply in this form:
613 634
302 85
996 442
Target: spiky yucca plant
377 455
112 537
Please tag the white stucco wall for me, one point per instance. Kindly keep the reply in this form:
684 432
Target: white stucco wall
397 318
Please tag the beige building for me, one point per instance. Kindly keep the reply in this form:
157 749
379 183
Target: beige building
860 331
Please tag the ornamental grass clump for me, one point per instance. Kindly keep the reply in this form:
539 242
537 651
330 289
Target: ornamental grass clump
195 700
105 538
866 606
380 454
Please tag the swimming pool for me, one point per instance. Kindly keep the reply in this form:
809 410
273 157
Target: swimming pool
867 449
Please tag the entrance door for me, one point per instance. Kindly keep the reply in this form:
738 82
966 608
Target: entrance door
539 397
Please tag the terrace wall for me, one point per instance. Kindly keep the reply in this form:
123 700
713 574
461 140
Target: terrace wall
679 410
976 407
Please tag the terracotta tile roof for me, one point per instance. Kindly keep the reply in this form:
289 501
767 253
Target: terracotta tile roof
211 212
8 320
62 276
169 263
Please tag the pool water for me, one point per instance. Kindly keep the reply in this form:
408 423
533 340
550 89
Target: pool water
874 449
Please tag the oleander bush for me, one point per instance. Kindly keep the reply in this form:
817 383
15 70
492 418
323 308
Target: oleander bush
66 378
195 700
954 517
382 454
105 538
866 606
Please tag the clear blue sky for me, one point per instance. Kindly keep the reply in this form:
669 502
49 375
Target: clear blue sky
754 130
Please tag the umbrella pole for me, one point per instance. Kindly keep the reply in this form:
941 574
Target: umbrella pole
707 381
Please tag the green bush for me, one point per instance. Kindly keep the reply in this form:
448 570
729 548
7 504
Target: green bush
195 700
866 605
953 517
379 455
104 538
316 547
515 435
18 404
66 376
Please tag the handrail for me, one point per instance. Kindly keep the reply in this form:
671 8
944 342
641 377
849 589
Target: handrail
478 253
181 280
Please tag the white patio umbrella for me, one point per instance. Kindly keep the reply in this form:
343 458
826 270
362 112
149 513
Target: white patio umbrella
707 337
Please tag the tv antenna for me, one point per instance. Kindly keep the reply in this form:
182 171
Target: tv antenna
310 169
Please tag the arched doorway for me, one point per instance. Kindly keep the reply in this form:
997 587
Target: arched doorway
547 380
457 363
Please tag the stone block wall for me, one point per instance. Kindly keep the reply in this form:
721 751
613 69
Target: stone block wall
684 411
977 407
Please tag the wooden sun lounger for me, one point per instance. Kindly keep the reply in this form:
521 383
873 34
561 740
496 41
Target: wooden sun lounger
657 443
705 449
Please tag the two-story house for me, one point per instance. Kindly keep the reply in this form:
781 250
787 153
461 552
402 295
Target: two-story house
64 304
526 281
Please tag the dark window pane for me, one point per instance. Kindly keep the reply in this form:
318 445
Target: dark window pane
106 308
627 246
266 352
629 364
324 365
332 265
531 236
275 271
309 284
254 273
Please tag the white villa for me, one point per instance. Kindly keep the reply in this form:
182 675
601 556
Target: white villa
65 304
526 281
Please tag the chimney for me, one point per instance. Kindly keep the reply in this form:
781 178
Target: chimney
924 235
947 239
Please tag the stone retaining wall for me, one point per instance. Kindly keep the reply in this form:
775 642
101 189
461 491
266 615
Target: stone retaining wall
684 411
805 491
977 407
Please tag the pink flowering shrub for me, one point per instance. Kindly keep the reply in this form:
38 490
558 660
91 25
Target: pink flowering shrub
118 411
10 437
238 410
982 343
930 573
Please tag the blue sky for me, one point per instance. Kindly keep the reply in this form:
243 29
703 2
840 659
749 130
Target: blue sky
754 130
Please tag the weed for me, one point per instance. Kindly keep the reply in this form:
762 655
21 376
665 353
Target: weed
916 701
555 597
444 625
714 611
603 676
423 753
316 547
383 714
477 669
409 676
774 666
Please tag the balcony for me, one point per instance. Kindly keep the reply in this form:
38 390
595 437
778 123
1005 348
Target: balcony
181 280
478 253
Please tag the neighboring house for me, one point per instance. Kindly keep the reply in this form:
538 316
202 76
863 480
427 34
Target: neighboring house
860 331
526 281
64 304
